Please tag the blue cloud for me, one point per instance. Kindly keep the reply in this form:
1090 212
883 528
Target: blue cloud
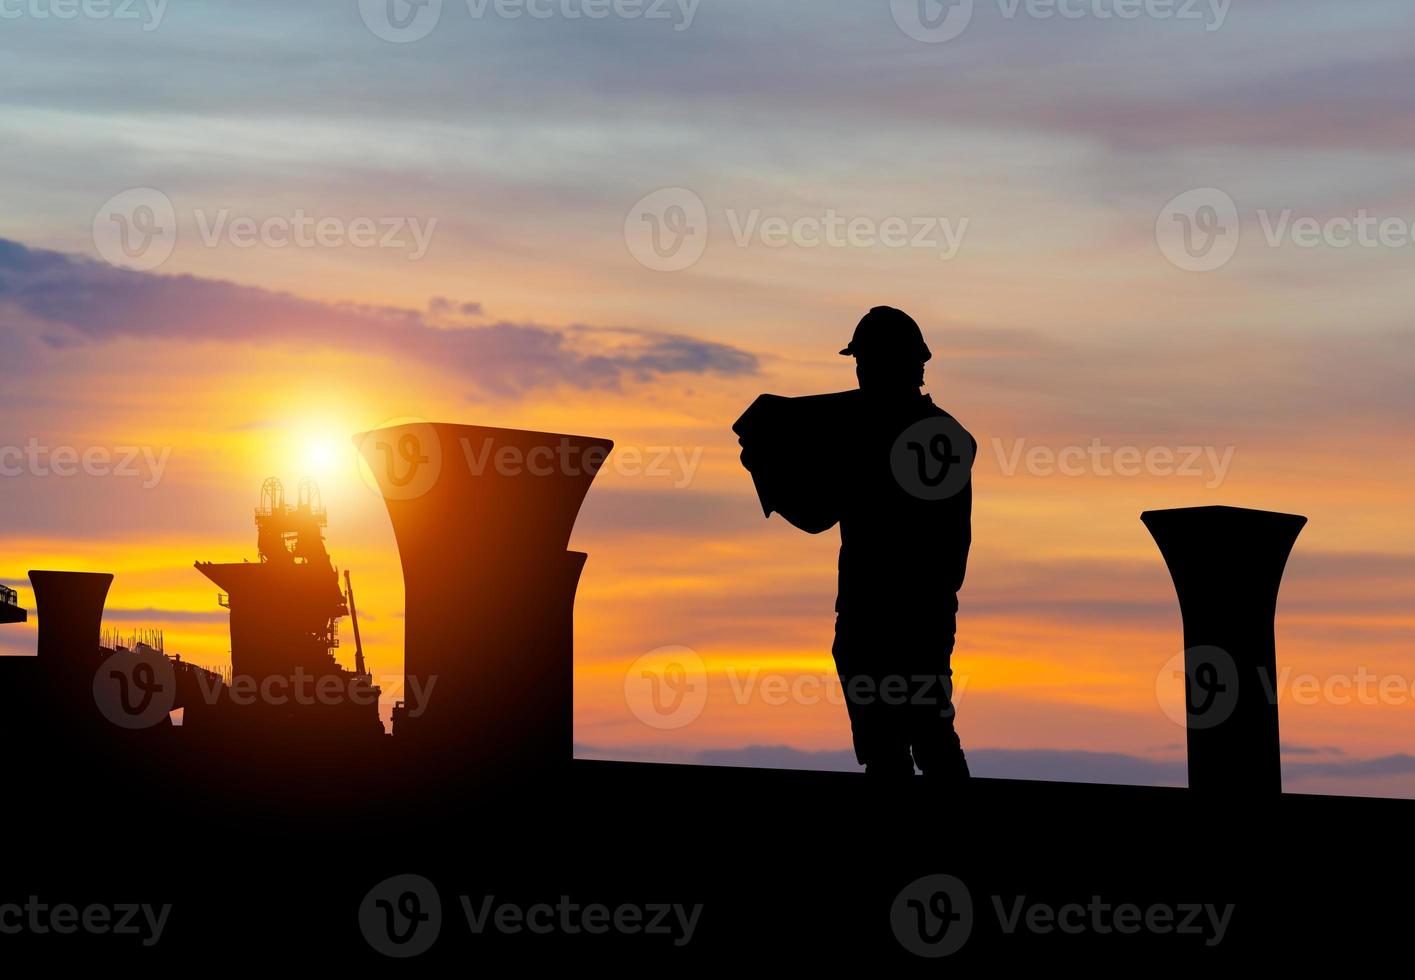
81 301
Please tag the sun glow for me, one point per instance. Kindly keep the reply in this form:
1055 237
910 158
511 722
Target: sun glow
320 456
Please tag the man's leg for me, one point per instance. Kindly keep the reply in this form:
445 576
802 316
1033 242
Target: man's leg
937 748
879 729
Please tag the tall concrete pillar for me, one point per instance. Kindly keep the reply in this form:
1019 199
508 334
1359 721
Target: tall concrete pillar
1227 565
482 517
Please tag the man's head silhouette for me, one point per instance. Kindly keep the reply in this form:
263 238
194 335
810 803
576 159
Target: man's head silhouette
889 351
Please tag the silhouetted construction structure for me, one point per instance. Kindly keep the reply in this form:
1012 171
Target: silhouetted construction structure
62 694
285 612
103 811
490 593
1227 565
10 609
483 517
59 679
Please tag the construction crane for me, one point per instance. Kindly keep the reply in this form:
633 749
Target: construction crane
354 616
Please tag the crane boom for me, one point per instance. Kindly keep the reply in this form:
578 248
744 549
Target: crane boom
354 615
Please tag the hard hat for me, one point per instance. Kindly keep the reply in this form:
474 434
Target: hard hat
885 331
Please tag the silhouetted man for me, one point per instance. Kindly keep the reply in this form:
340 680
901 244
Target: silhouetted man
895 471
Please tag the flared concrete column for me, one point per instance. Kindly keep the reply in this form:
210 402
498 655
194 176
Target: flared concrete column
1227 565
483 517
70 610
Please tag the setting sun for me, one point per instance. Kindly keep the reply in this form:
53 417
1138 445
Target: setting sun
320 456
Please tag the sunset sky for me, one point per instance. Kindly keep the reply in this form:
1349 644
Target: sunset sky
1032 161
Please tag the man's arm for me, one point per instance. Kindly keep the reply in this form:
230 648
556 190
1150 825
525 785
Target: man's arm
962 533
785 457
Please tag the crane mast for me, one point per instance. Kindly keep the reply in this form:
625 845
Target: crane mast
354 616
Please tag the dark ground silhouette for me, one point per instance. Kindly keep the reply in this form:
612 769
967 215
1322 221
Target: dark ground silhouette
317 853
